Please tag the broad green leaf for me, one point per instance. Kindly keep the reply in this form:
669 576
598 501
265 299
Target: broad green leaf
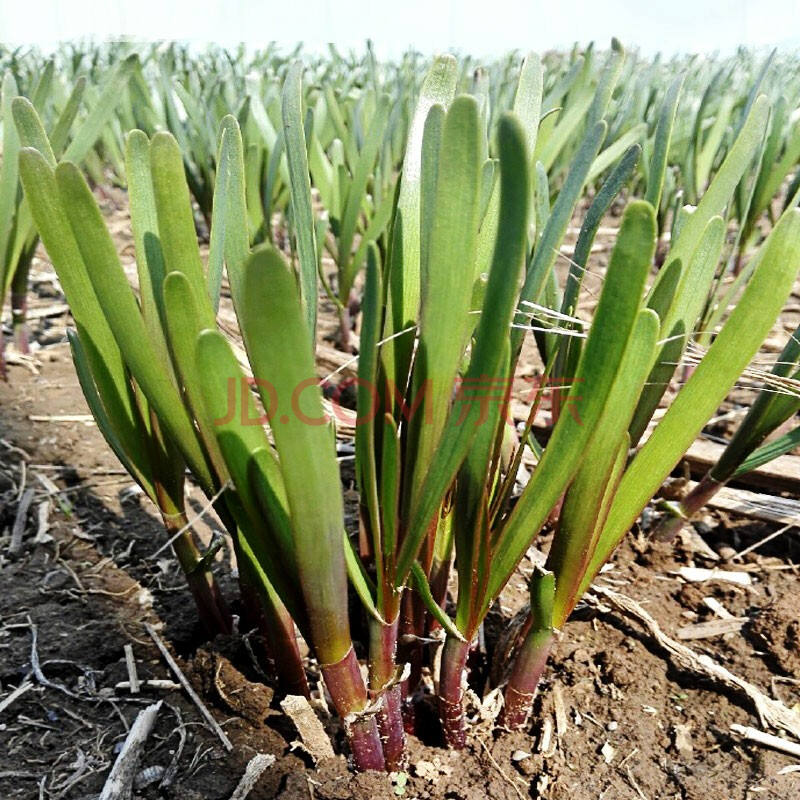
615 151
334 110
31 131
228 409
491 340
322 175
390 493
768 452
139 470
490 220
774 174
119 306
236 245
663 139
708 152
542 197
586 501
223 223
368 397
183 328
375 228
60 133
547 247
279 345
687 304
43 88
471 509
528 99
259 503
362 583
431 152
404 253
608 192
434 609
679 314
302 214
103 356
259 112
358 187
144 221
549 148
771 408
175 221
608 81
447 294
721 189
9 173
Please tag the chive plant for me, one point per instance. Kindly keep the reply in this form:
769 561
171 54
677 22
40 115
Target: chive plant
135 379
71 138
123 414
436 474
755 442
468 267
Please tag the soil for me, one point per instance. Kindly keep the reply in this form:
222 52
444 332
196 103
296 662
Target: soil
615 719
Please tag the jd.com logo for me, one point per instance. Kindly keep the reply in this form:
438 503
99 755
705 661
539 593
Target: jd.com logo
474 396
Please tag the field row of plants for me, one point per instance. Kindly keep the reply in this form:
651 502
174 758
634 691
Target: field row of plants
428 200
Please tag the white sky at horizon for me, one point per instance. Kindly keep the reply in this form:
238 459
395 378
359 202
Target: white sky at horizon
473 26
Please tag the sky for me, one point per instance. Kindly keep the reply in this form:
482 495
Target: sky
480 27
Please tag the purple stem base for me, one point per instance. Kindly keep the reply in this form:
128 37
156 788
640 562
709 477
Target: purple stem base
672 523
382 685
525 676
349 695
451 692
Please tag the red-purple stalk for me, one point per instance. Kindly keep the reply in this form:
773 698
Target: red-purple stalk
349 695
524 680
208 598
451 691
270 616
412 621
532 655
383 687
678 514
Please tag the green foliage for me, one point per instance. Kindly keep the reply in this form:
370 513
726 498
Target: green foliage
453 188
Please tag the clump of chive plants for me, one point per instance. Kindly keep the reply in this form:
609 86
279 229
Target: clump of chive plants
472 246
68 137
755 442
